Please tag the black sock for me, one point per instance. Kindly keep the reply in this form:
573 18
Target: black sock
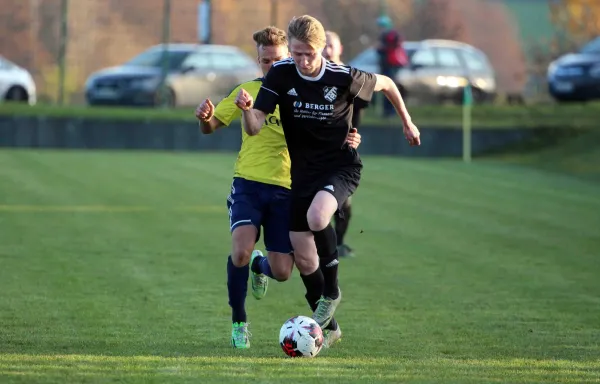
325 241
342 222
314 284
237 287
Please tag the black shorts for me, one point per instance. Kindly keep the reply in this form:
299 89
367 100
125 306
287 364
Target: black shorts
342 184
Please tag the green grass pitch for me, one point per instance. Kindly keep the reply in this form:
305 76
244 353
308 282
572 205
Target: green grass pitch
112 269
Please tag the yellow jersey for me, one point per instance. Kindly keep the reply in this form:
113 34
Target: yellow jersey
263 158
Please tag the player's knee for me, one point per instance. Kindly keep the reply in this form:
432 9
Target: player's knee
282 265
317 219
305 265
241 257
281 275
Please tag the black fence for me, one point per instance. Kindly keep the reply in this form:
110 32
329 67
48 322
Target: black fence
69 133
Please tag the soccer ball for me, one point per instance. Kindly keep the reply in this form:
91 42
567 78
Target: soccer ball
301 336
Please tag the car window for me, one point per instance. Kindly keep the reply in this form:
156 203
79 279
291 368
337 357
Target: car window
197 61
368 57
229 60
474 60
241 61
593 47
222 61
5 64
424 57
448 58
154 58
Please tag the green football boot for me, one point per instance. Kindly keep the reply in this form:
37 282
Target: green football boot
331 337
260 282
325 310
240 336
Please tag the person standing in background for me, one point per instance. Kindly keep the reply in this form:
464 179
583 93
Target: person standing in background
392 55
333 52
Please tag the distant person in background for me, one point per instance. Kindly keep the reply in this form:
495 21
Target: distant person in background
333 52
392 55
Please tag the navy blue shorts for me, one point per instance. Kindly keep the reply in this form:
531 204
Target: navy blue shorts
262 205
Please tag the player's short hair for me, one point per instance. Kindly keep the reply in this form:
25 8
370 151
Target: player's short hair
308 30
270 36
333 35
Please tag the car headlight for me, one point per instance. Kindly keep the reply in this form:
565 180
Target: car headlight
595 71
146 83
451 81
89 83
552 68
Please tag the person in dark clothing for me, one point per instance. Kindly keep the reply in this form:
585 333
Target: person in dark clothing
392 55
333 52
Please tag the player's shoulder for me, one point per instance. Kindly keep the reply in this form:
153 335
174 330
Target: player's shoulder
282 67
332 67
250 86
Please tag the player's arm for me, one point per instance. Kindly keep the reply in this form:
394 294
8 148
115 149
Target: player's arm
208 127
390 90
212 118
255 112
364 84
253 119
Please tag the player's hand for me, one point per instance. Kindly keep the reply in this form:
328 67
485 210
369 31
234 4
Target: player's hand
244 100
205 111
412 134
353 138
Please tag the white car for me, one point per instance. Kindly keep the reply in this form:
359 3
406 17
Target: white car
16 83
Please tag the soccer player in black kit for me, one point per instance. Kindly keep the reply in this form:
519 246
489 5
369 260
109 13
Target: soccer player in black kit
333 53
315 99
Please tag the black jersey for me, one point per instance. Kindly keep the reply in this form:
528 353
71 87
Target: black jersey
316 114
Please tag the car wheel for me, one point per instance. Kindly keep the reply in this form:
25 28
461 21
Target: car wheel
17 94
479 96
165 98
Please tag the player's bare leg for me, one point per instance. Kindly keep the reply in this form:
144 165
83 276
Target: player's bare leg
276 266
281 265
319 216
307 262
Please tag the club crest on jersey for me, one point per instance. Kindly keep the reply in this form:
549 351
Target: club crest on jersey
330 93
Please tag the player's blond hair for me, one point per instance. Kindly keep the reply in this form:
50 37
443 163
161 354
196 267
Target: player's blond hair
269 37
308 30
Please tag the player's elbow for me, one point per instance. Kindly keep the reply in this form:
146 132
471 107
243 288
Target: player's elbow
384 83
251 131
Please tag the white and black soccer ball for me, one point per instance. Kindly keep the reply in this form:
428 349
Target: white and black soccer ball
301 336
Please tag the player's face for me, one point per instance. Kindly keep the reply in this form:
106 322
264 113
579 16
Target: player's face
268 55
333 49
308 59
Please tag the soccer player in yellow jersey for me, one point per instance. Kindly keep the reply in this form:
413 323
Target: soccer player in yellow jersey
260 195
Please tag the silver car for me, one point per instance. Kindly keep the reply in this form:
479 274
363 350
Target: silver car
193 72
16 83
439 70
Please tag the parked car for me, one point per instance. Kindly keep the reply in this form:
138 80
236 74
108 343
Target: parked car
194 72
576 76
16 83
439 70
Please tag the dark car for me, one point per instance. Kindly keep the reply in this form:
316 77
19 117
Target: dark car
439 70
194 72
576 76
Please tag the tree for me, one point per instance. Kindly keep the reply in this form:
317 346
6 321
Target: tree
434 19
577 20
489 27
